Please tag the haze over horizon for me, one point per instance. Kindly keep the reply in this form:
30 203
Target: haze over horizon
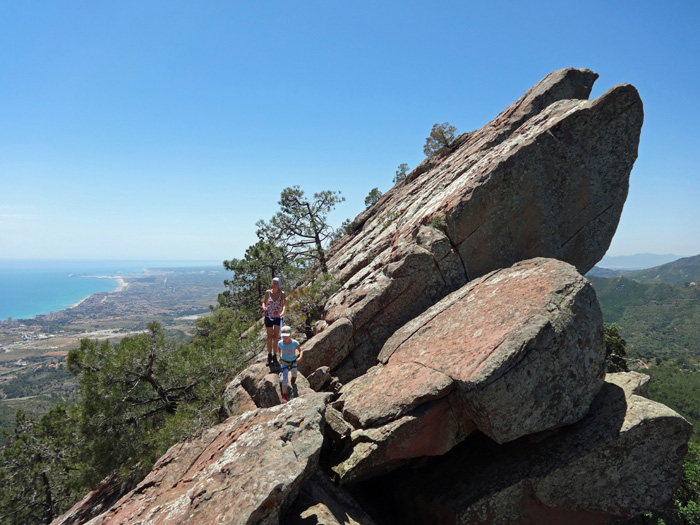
165 131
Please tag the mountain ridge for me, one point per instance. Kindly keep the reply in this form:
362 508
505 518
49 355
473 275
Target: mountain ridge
637 261
682 272
658 309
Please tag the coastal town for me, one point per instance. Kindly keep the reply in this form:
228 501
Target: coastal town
173 297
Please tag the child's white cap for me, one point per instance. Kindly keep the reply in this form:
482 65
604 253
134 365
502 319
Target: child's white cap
286 331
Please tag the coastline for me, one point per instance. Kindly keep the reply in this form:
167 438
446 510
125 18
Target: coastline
59 344
122 285
113 311
31 288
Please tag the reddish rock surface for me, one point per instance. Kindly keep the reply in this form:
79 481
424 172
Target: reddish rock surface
242 471
516 352
260 386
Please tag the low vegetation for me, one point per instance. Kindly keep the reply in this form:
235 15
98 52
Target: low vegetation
440 140
306 302
657 319
401 173
136 398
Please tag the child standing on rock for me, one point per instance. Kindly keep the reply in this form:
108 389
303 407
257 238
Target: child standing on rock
287 351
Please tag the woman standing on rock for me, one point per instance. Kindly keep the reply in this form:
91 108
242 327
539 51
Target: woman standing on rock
273 305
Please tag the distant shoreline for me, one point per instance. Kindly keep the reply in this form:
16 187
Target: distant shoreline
122 285
32 284
114 310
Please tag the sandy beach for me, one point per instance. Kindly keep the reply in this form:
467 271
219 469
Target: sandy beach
122 285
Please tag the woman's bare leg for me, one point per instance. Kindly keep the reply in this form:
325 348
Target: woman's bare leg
270 340
275 338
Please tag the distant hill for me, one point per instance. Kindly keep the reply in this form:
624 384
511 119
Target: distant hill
642 265
636 262
657 319
682 272
597 271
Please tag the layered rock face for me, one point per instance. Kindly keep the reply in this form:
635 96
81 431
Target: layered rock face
463 357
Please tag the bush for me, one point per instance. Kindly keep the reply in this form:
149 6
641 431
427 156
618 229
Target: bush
438 222
401 173
441 139
374 196
615 349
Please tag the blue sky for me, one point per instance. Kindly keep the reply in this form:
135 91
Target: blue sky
166 129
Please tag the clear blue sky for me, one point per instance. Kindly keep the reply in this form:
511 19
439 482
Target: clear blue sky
166 129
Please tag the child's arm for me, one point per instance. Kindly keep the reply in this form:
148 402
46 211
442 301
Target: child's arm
301 353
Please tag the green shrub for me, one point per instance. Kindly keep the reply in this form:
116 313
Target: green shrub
438 222
441 139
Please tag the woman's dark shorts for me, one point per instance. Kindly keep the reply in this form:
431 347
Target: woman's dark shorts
269 323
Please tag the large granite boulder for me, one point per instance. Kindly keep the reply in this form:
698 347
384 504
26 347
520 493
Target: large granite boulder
547 178
516 352
622 459
245 470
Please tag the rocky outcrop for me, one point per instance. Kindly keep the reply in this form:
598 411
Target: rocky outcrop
527 336
463 355
547 178
97 501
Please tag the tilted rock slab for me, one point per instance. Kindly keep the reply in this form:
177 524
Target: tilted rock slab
624 458
518 351
242 471
547 178
99 500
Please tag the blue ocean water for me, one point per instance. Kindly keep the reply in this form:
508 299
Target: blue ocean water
33 287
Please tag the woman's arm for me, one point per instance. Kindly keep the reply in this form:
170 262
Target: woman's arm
284 305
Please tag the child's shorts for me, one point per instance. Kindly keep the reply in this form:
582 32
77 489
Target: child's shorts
286 367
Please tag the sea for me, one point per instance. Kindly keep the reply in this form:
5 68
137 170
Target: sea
32 287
